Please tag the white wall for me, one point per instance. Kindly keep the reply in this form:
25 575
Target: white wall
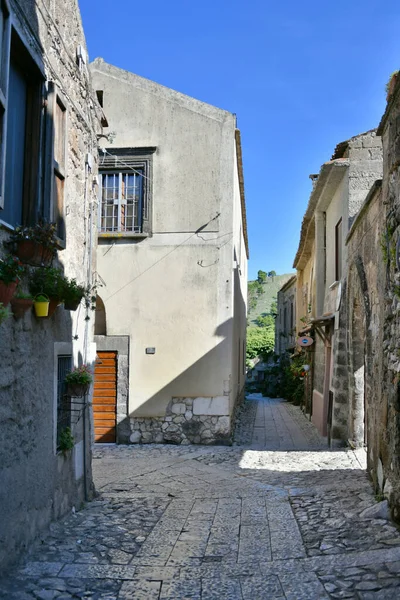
174 291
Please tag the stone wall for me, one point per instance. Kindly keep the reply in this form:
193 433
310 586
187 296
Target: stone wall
339 383
384 458
37 483
367 418
187 421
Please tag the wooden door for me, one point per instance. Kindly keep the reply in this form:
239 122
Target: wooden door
105 397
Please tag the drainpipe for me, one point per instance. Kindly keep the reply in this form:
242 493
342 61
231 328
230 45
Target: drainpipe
89 246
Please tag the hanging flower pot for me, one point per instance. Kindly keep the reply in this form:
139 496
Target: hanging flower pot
41 305
33 253
7 291
34 245
78 381
77 390
72 294
20 304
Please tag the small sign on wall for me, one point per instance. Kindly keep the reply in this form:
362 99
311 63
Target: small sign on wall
304 341
150 350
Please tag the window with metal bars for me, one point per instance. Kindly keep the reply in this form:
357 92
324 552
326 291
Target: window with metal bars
125 191
64 366
122 205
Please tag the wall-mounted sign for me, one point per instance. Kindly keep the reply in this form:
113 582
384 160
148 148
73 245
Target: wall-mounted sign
304 341
150 350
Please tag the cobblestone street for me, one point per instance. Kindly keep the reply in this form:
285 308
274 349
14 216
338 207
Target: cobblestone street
276 515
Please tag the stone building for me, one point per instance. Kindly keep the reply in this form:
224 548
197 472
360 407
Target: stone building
172 253
375 299
48 157
285 322
365 308
321 260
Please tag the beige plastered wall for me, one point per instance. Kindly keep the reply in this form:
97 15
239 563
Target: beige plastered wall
174 291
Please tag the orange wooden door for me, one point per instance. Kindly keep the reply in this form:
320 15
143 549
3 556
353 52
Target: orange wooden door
105 397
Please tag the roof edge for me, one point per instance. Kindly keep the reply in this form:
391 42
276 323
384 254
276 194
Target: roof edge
288 283
315 197
239 159
101 66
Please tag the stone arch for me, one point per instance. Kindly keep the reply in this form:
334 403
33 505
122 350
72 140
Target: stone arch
100 322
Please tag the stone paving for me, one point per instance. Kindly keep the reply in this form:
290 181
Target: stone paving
276 516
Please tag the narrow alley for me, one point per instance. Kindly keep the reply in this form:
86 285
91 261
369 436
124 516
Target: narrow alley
276 515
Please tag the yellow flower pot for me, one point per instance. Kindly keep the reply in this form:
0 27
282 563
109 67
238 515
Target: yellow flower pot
41 306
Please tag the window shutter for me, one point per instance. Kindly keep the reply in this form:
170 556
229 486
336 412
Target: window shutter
55 159
5 43
48 153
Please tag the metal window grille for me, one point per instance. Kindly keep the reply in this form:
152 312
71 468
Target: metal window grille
122 202
64 366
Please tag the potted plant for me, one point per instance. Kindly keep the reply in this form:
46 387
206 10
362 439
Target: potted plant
34 245
41 304
78 381
3 313
11 270
73 294
21 303
65 440
49 281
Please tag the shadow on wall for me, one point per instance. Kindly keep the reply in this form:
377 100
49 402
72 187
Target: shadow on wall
201 416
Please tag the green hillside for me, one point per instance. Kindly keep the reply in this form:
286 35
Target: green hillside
270 289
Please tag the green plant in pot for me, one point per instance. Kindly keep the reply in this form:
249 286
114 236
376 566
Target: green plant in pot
11 270
73 294
49 281
3 313
21 303
78 381
65 440
34 245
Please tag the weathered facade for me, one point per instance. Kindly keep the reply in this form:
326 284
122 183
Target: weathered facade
379 285
48 158
338 192
285 322
173 258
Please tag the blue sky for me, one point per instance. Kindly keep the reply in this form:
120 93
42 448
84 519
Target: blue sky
301 77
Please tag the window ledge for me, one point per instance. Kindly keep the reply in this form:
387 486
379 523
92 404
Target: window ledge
119 235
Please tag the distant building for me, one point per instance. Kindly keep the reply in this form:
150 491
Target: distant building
173 258
285 322
321 261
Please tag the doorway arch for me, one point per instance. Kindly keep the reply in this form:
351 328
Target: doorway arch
100 321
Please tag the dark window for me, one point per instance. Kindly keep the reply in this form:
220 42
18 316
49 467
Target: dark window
125 191
338 251
100 95
63 401
22 121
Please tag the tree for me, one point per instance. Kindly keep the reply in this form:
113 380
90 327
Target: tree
274 308
261 276
260 341
272 274
265 321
